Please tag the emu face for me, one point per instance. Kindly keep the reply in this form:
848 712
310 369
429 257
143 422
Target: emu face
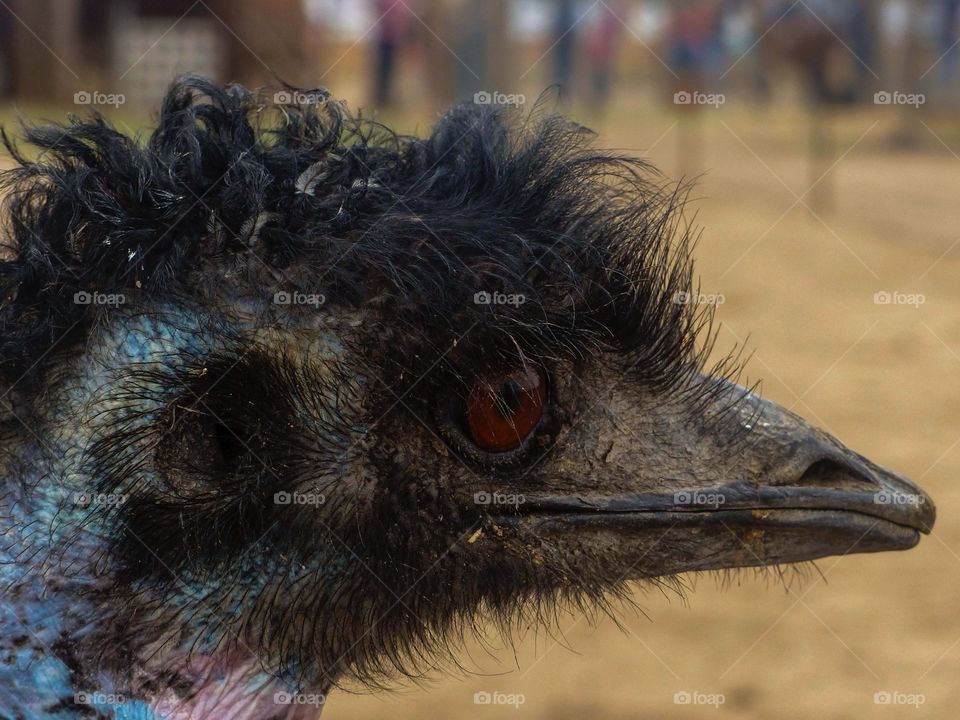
360 388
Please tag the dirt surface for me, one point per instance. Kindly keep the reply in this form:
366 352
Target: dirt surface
799 287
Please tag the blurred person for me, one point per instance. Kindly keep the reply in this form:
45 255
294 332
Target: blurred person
390 32
815 37
862 23
830 44
564 44
693 37
737 31
948 37
471 71
740 28
904 28
602 44
482 45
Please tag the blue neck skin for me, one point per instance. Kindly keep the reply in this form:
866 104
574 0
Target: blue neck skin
51 556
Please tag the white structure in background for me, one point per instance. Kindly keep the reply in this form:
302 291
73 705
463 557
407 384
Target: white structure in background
529 20
148 51
349 20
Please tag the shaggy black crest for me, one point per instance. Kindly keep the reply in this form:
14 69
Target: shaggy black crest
235 197
206 397
234 190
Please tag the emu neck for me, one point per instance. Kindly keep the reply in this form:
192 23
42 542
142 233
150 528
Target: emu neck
62 655
77 638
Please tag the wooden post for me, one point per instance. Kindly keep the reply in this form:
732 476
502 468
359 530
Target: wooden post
46 49
821 156
691 141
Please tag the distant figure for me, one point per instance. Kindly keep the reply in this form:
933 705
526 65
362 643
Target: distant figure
816 37
949 27
863 33
741 24
602 42
391 28
472 67
693 41
564 43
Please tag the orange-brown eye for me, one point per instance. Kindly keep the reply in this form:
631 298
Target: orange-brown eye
502 410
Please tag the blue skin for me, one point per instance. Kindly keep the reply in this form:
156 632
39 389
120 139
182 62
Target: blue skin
50 542
39 525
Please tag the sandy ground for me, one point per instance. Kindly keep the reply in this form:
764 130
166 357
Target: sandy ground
799 287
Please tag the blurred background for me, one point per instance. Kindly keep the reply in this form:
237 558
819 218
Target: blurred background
825 139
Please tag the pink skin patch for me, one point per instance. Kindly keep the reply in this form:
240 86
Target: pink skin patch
233 688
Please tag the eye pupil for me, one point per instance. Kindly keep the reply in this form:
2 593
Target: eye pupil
503 410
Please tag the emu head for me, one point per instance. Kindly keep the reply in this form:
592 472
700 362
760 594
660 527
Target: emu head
291 400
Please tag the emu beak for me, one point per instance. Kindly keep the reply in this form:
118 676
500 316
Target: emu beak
789 493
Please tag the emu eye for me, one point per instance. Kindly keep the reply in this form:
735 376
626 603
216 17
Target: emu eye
503 409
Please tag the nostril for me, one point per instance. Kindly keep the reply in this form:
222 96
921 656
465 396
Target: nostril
832 474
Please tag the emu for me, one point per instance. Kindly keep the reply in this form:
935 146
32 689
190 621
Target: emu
291 401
